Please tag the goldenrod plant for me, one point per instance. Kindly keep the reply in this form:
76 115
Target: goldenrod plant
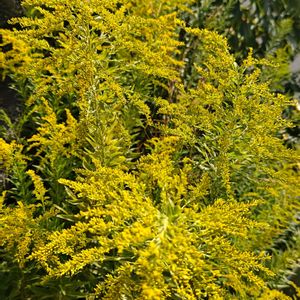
134 183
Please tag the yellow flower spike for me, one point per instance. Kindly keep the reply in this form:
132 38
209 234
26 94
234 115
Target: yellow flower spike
39 189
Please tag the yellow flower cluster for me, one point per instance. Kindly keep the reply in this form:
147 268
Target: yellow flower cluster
56 140
172 246
9 153
180 187
19 230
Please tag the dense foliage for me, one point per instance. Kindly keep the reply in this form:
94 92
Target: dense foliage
148 161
